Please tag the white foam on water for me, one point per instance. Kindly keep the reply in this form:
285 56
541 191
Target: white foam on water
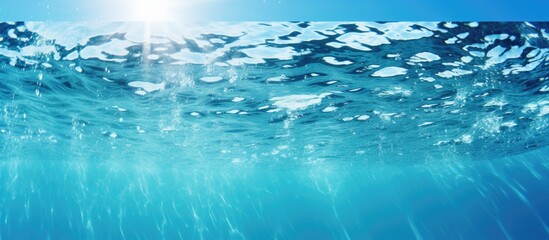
466 138
33 50
355 89
153 57
221 64
500 54
238 99
405 30
533 53
509 124
71 56
140 92
106 79
277 78
114 47
334 61
534 62
329 109
386 116
211 79
473 24
390 72
453 64
311 33
346 119
335 44
451 40
147 86
488 125
495 103
185 56
453 73
354 44
543 111
217 40
363 117
427 79
367 38
449 103
11 33
463 35
244 61
450 25
428 105
120 109
395 91
477 53
493 37
425 124
263 52
424 57
466 59
298 101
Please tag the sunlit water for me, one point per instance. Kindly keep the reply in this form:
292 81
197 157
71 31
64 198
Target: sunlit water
284 130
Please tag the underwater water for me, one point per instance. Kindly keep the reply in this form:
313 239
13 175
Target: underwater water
276 130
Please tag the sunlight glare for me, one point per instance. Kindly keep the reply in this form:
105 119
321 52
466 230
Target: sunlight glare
153 10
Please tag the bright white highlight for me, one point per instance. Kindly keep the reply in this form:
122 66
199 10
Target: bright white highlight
153 10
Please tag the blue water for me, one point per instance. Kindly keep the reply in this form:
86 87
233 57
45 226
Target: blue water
278 130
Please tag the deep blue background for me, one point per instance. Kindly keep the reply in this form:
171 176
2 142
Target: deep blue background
498 199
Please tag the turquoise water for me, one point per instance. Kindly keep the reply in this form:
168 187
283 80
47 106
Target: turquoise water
286 130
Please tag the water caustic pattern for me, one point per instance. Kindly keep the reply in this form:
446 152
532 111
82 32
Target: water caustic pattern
284 130
265 92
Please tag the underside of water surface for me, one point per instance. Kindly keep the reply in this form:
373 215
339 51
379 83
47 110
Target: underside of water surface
284 130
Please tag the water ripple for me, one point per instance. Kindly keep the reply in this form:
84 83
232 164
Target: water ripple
266 93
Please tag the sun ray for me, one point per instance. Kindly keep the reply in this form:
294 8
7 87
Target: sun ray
153 10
